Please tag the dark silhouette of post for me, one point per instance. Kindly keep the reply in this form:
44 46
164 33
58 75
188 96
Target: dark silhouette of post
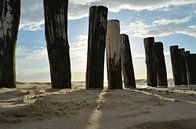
151 66
96 47
191 70
55 12
113 55
126 61
187 54
161 66
9 25
183 66
175 60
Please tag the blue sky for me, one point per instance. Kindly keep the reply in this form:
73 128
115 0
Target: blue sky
172 22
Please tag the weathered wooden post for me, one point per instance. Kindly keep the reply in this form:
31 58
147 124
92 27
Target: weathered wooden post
187 54
150 62
9 25
183 66
55 12
191 70
193 62
126 61
175 60
96 47
161 66
113 55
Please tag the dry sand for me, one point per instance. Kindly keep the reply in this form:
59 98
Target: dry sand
36 106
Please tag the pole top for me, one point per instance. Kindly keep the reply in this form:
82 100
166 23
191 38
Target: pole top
174 47
98 7
114 20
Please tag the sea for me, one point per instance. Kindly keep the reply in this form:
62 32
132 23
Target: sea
140 83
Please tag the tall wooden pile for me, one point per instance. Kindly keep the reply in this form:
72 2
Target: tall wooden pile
127 63
155 63
96 47
161 66
9 25
55 12
113 54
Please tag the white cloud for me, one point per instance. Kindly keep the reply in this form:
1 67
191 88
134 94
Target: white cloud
32 26
78 54
137 29
164 27
80 42
33 15
172 21
83 2
79 8
27 56
33 64
38 56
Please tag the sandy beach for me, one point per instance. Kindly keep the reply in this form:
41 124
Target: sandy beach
36 106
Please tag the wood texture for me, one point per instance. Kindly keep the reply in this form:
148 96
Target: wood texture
96 47
151 66
113 55
55 12
191 69
161 66
175 60
9 25
187 54
126 61
183 66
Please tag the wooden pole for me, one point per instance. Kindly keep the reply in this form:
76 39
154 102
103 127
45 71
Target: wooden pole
183 66
113 55
191 70
161 67
187 54
9 25
126 61
55 12
175 60
150 62
96 47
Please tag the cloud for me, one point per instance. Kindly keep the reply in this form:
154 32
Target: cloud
31 25
78 53
33 64
80 42
28 56
172 21
33 16
79 8
160 28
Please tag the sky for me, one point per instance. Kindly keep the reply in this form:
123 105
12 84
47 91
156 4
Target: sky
172 22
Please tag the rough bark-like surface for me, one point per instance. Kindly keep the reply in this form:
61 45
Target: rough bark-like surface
113 55
183 66
187 54
175 60
57 43
96 47
161 67
191 69
150 62
126 61
9 24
